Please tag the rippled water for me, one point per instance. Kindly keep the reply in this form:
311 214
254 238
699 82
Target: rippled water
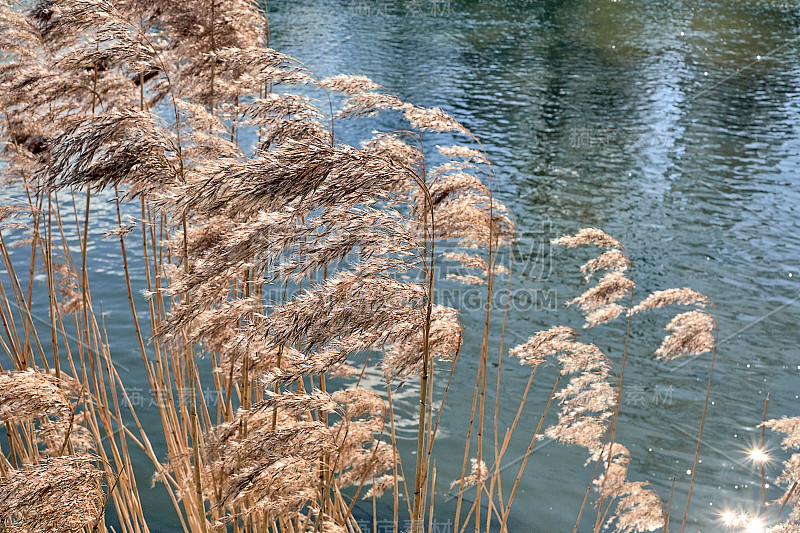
671 125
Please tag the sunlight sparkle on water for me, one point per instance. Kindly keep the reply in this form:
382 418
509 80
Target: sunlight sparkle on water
758 455
751 524
728 518
755 525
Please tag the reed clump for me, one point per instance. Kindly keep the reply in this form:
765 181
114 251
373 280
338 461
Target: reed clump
284 257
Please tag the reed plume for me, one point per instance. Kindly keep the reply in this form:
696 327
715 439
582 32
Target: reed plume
790 428
692 334
58 495
599 303
29 394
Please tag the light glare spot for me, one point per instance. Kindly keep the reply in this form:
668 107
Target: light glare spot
728 518
755 525
758 455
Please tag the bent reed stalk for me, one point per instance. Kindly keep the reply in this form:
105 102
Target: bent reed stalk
150 100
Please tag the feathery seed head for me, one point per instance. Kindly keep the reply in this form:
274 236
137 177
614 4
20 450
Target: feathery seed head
608 290
684 296
544 344
478 472
613 260
27 394
692 334
60 494
591 236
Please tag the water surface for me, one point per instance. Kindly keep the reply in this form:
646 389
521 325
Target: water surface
673 126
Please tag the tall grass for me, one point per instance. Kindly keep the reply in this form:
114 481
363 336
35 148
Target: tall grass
281 263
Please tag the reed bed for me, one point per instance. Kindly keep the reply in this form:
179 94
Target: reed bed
149 100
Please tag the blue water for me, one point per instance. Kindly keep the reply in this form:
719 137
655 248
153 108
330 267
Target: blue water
673 126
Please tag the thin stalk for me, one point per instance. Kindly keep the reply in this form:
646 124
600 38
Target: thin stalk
421 467
763 434
496 479
669 505
465 460
433 485
213 56
484 365
507 511
397 459
700 433
51 294
786 499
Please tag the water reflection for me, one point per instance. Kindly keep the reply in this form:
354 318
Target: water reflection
672 125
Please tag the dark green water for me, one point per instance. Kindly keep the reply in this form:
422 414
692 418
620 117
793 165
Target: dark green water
675 127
